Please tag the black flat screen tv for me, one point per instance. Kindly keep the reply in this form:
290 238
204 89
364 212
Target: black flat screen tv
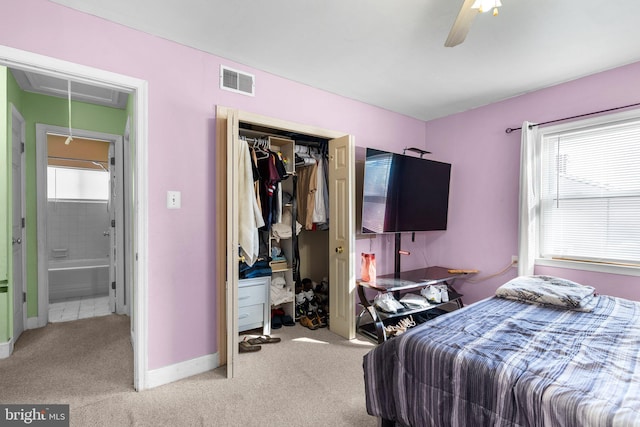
403 193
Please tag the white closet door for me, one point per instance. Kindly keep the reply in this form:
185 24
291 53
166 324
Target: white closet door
342 236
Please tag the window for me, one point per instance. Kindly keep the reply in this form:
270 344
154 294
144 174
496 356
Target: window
77 184
589 206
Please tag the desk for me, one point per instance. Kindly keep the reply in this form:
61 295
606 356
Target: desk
406 281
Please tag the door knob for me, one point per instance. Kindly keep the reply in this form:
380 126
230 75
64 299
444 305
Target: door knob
339 249
14 241
105 233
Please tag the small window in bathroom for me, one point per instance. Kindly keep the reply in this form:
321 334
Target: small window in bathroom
77 184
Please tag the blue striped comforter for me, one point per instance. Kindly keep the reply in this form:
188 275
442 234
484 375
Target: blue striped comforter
507 363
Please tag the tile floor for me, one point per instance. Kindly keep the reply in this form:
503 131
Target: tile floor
78 308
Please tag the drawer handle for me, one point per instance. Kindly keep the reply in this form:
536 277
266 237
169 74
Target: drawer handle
242 316
244 297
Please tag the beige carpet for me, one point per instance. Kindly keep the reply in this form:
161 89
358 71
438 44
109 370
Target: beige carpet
311 378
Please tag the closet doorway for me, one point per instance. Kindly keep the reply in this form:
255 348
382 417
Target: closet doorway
341 243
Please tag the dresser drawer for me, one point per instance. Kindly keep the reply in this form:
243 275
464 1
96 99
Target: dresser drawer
253 304
250 317
253 291
251 295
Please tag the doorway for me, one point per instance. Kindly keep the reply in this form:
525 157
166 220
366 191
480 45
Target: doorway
341 231
136 178
84 222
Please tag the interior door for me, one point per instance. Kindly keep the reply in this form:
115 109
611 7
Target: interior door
17 225
342 236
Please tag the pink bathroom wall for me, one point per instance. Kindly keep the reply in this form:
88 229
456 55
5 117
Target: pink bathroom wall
183 93
483 219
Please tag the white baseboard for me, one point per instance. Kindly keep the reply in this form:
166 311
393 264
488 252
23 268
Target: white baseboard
6 348
188 368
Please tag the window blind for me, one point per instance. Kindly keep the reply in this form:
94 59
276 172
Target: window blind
77 184
590 194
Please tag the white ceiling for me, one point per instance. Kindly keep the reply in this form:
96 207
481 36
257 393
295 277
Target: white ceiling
390 53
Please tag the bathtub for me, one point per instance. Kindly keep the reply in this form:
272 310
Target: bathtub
70 278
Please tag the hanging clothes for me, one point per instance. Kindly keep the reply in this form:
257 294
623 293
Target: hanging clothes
249 214
325 157
319 215
272 171
256 177
307 186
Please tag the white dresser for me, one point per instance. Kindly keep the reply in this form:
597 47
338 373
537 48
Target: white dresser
254 310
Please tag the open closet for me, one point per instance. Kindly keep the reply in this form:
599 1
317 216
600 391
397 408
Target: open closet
296 240
284 234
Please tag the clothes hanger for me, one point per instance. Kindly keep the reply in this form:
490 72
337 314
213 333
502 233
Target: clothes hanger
260 153
261 147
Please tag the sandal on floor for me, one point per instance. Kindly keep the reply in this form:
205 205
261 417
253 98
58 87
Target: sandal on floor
263 339
246 347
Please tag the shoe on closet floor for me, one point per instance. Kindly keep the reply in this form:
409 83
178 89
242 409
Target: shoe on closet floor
321 316
310 321
287 320
276 318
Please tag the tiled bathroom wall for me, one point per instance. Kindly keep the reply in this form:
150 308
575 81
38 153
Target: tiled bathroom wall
75 230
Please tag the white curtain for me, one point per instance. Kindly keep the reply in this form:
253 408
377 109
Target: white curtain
527 228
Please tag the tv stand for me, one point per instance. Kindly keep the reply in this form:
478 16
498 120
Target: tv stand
398 284
396 261
398 251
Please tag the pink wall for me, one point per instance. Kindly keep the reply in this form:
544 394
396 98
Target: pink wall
183 93
483 217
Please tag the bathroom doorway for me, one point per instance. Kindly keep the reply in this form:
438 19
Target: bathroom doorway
81 205
136 199
79 237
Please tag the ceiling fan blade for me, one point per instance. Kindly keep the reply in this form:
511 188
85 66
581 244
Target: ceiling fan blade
461 25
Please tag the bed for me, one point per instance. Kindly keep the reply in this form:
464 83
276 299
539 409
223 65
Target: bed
512 361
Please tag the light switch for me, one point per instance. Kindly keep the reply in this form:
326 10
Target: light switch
173 199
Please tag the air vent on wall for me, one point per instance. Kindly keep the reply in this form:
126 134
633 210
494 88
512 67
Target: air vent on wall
236 81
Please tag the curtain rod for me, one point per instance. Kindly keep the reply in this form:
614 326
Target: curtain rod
509 130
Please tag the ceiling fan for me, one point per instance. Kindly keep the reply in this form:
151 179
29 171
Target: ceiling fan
468 12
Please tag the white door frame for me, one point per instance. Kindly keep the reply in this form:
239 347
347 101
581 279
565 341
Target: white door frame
232 117
20 59
124 298
42 130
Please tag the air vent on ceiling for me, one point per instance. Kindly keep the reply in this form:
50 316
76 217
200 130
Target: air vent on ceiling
236 81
